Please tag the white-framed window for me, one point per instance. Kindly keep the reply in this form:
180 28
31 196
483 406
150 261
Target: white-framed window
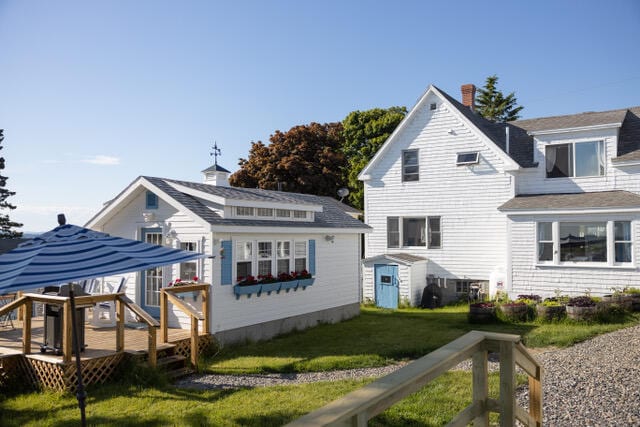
622 241
469 158
244 259
575 159
283 253
393 232
283 213
584 242
435 234
463 286
244 211
413 232
300 256
264 212
260 258
265 258
300 214
188 269
545 241
410 166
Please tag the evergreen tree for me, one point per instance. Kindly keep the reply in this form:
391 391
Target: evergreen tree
493 105
6 225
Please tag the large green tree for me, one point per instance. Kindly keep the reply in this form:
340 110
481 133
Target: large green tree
364 132
491 103
6 225
305 159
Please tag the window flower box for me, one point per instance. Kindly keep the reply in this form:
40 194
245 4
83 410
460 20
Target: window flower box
247 290
303 283
271 287
292 284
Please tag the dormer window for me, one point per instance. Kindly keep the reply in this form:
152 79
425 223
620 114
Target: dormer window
575 159
470 158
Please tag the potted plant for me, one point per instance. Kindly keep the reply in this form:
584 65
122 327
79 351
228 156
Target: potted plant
581 308
551 309
514 310
482 312
246 286
304 278
634 293
622 298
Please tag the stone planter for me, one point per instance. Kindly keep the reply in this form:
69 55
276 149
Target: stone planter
481 314
514 312
581 313
551 312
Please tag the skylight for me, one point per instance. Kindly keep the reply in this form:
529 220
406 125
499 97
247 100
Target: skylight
469 158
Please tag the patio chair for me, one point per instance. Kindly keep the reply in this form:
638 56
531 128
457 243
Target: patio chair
104 313
6 320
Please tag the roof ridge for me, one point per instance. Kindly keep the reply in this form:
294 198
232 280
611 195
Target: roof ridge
575 114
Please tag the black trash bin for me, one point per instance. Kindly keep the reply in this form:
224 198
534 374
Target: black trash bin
53 319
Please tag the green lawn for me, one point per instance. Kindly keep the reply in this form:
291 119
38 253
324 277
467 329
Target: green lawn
377 337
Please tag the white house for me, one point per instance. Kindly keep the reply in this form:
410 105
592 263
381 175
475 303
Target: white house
532 206
245 232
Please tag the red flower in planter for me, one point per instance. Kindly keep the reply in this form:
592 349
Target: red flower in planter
285 277
247 281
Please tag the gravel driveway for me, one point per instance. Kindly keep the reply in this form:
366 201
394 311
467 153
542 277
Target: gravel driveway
594 383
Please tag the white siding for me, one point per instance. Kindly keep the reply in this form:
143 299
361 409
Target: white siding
336 285
527 278
534 180
465 197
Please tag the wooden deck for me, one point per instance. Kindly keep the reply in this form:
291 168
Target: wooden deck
99 342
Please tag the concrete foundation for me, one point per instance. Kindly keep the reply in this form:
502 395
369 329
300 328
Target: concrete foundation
268 330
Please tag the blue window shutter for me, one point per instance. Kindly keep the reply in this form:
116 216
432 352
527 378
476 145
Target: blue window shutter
312 257
227 263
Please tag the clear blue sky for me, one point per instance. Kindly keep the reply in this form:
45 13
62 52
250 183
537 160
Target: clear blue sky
94 94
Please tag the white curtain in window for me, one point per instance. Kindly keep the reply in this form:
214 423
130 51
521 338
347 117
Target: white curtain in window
551 158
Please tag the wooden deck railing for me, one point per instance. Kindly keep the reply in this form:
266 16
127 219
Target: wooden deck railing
25 304
357 407
169 294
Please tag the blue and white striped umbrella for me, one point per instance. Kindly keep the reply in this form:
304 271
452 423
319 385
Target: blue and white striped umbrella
70 253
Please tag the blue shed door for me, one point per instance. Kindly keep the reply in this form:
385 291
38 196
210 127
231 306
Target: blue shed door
387 285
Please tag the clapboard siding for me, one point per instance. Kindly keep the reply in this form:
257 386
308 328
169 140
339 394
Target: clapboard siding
534 180
527 277
465 197
336 284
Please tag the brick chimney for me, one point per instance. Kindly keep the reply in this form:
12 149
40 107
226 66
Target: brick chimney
468 95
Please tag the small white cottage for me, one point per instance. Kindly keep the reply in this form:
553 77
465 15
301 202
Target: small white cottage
245 232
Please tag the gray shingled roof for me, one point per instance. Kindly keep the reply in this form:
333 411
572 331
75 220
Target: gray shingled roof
215 168
334 213
599 199
401 257
521 143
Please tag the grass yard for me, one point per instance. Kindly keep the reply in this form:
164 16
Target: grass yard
377 337
122 405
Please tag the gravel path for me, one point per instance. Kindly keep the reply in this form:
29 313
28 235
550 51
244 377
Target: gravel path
594 383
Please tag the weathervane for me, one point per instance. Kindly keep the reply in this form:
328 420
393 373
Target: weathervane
215 153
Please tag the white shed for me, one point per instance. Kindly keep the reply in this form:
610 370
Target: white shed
394 279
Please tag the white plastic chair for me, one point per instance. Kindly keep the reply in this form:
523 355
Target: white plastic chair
104 313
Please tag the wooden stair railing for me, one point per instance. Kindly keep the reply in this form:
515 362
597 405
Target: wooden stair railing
357 407
169 295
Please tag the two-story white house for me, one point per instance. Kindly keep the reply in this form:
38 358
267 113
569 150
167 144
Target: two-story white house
528 207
